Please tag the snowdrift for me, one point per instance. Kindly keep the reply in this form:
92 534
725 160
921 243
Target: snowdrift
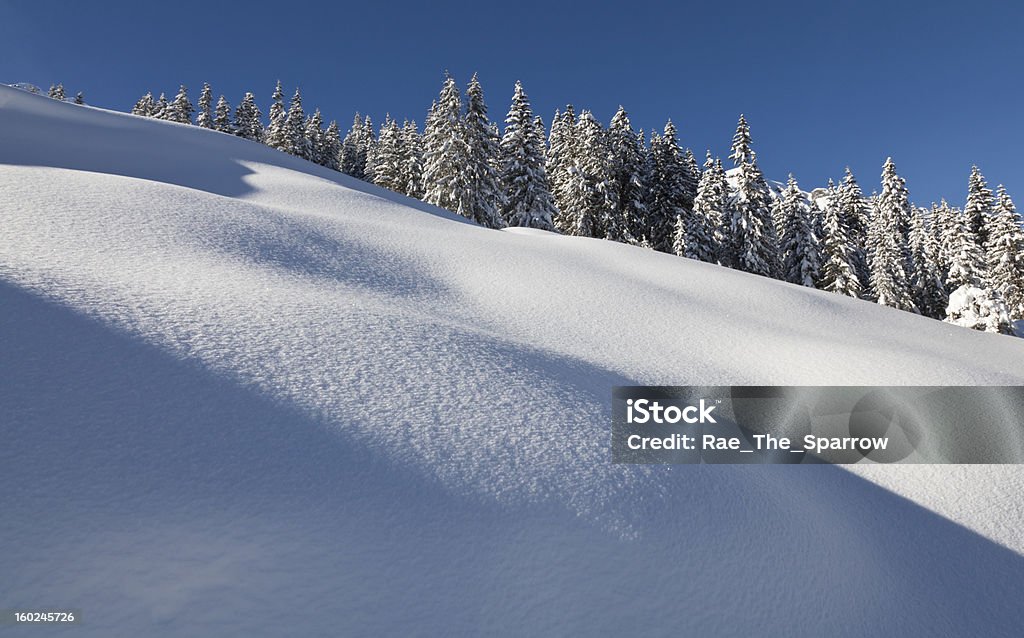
244 395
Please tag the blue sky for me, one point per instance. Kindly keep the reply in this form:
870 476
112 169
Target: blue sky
936 85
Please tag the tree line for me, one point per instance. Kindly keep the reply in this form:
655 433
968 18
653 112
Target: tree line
964 264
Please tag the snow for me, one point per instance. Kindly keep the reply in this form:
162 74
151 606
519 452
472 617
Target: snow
245 395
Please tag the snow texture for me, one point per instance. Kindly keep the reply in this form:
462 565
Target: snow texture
241 394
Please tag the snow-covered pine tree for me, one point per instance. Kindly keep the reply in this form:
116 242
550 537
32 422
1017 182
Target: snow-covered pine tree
331 145
412 164
162 108
204 115
445 153
752 241
276 134
559 165
1006 254
295 128
79 98
222 116
314 134
354 149
966 260
854 210
485 198
925 279
667 206
247 119
838 273
56 92
691 177
940 221
588 194
700 236
887 249
528 200
387 157
181 108
979 309
799 245
978 208
627 219
368 140
145 106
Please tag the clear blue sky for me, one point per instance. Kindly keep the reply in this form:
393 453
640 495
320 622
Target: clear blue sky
937 85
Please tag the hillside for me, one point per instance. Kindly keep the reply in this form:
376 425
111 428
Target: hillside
245 393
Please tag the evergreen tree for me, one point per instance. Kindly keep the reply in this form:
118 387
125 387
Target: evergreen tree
890 283
588 195
979 206
528 200
222 116
145 106
57 92
354 149
741 151
559 165
854 211
204 116
181 108
978 309
247 119
412 165
838 272
799 244
943 221
627 219
925 279
314 134
276 134
446 154
700 235
162 109
691 177
1005 250
387 157
668 207
966 260
751 234
295 128
332 145
485 198
79 98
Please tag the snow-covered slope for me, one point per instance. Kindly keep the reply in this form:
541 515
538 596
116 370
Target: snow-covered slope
244 395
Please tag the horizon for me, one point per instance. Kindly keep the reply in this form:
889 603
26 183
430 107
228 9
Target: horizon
830 120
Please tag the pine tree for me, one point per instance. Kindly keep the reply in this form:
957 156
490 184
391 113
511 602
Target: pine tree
854 211
314 134
387 157
925 279
162 109
978 309
799 245
222 116
943 220
332 145
446 154
667 207
295 128
967 262
691 177
588 195
412 165
559 165
1005 250
57 92
204 116
79 98
741 151
528 200
751 233
247 119
354 150
700 235
627 218
890 283
276 134
485 197
979 206
181 108
145 106
838 272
